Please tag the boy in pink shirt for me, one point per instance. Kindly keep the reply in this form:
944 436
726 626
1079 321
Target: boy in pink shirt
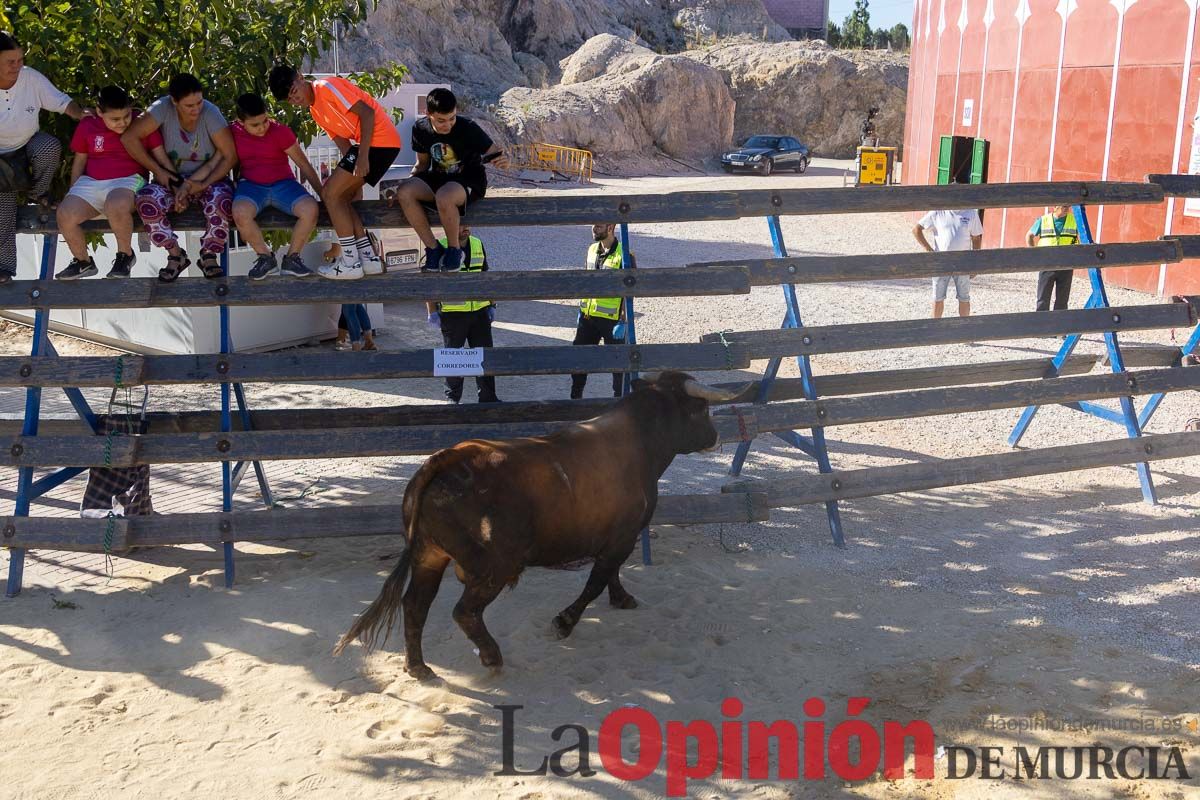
104 180
264 149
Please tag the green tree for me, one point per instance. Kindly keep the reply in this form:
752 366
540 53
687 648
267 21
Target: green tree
899 36
833 36
856 29
82 45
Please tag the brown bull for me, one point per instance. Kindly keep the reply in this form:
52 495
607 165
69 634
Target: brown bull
497 507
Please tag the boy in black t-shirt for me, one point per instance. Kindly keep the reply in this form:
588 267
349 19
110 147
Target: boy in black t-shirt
449 172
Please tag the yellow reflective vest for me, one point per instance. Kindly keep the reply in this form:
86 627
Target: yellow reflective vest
1069 235
606 307
472 263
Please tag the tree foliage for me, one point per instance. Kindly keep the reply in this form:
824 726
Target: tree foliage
856 29
856 33
83 45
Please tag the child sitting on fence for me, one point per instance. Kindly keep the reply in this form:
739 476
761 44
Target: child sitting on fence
264 148
104 180
449 173
369 142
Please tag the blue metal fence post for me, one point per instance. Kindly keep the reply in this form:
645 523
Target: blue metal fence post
631 339
814 447
33 410
226 427
810 390
1128 415
1115 359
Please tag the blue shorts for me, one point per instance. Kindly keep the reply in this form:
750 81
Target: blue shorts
282 195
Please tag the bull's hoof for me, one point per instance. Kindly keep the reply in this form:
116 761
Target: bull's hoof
563 626
625 602
422 673
493 661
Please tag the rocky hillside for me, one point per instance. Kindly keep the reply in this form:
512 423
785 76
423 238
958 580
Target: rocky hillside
624 78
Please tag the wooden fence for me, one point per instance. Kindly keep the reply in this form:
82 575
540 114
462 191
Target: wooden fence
781 407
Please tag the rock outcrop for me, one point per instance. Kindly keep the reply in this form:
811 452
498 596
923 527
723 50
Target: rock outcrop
484 47
667 104
810 91
629 78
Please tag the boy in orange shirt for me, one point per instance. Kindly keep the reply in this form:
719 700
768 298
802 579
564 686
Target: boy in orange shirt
369 143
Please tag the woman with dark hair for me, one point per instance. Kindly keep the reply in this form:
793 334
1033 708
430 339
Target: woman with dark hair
201 150
28 156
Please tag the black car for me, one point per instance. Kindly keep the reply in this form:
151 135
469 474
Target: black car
767 154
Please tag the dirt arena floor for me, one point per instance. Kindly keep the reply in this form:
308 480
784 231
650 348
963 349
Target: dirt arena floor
1055 612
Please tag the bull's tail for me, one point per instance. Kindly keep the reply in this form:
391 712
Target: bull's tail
381 615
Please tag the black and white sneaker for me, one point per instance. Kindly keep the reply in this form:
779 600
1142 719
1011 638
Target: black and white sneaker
340 270
77 269
294 265
122 265
264 265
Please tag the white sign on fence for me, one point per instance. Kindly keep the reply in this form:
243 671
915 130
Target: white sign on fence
458 361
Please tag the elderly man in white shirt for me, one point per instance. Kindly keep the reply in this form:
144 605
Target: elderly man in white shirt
952 230
29 156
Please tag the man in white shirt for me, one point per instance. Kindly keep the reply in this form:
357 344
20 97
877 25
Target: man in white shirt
952 230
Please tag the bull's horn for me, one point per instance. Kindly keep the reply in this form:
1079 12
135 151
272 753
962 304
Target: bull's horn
710 393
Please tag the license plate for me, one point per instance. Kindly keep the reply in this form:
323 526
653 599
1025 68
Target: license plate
399 258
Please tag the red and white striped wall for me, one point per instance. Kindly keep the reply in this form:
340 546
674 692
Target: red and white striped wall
1064 90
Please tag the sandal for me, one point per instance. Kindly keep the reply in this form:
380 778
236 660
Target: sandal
210 265
174 268
46 208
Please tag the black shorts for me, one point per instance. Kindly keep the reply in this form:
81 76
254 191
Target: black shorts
476 189
378 161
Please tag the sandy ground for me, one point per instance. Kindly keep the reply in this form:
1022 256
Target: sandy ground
1061 603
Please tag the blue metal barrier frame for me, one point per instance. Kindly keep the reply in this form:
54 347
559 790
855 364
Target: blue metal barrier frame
631 339
29 489
231 474
814 446
1128 415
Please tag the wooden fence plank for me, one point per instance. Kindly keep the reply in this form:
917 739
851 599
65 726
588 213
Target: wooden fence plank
87 535
540 210
586 209
241 291
849 484
1189 244
1177 185
275 419
732 425
874 199
787 342
88 371
960 399
896 266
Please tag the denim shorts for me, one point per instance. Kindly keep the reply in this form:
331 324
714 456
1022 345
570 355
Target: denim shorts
962 287
282 195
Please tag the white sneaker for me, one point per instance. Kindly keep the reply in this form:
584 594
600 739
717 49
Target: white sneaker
372 266
341 271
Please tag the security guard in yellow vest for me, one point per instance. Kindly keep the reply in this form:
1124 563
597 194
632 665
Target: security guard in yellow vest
601 318
467 322
1055 229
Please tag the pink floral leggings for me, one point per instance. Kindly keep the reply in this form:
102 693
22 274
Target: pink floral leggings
155 202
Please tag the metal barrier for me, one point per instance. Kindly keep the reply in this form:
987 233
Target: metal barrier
570 161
